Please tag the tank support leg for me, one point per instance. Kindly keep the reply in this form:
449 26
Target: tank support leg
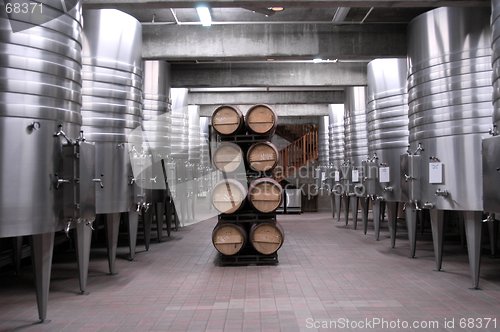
392 217
364 213
437 222
18 247
42 247
473 227
365 224
146 220
338 206
346 209
132 218
332 202
168 215
461 229
493 234
83 240
411 225
376 218
354 210
159 209
112 230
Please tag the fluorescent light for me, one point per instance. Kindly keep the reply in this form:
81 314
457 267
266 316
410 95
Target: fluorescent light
317 60
340 14
204 15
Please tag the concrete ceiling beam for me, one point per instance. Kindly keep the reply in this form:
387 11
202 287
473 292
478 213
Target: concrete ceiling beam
303 110
275 41
269 74
251 98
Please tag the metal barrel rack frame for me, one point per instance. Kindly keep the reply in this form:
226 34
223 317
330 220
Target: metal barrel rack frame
247 197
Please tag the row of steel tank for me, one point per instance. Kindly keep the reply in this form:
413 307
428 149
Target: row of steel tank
416 136
88 132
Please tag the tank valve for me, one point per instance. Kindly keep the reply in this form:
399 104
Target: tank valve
99 181
493 131
60 181
373 158
67 228
153 179
131 180
359 190
389 189
428 205
35 125
60 132
338 189
408 177
490 218
444 193
418 208
420 148
81 138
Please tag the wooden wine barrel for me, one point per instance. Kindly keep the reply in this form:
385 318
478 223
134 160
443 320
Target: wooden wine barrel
228 157
267 237
262 156
265 195
228 238
261 120
228 196
227 120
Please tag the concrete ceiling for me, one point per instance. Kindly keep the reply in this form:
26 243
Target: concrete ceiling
249 45
284 3
251 12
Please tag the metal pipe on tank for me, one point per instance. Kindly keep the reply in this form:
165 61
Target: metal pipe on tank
387 114
449 96
112 109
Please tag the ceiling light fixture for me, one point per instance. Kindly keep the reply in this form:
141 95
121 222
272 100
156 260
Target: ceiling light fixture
204 15
340 14
277 9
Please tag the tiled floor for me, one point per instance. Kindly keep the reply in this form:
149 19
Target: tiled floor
326 273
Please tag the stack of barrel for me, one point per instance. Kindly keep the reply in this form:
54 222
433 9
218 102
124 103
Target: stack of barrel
248 196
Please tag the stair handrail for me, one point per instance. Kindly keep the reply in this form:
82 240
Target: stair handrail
297 154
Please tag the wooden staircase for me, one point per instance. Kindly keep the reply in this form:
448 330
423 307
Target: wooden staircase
299 153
